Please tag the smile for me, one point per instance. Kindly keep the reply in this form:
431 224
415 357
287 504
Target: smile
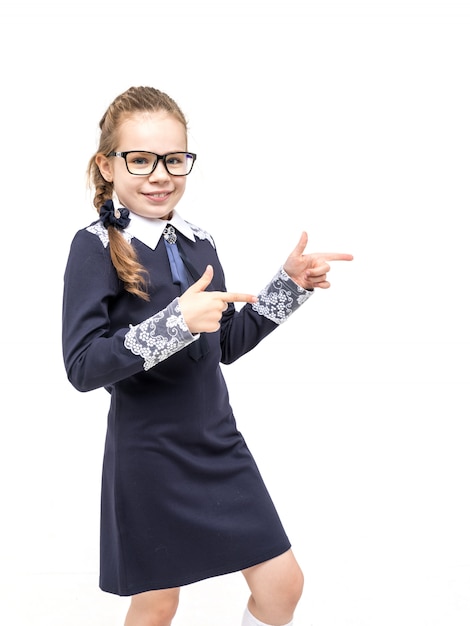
158 196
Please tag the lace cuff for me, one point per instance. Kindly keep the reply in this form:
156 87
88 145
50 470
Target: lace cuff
278 300
159 336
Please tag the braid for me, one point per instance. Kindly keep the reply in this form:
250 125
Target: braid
124 259
134 100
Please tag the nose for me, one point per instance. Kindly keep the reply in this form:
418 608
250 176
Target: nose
159 173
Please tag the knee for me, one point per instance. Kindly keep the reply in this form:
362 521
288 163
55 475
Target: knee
276 586
293 588
154 608
299 586
161 615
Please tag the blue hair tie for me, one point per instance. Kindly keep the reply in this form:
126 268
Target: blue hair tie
109 216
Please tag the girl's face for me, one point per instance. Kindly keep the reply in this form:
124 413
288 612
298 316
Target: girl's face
157 194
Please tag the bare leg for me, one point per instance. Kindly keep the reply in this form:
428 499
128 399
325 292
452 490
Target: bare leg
276 587
153 608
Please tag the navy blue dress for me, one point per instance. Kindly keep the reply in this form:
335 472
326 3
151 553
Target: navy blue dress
182 497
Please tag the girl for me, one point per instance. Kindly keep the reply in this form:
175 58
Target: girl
146 316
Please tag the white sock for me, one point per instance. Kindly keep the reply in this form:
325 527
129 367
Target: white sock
250 620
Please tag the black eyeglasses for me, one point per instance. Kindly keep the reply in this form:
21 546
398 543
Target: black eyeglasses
141 163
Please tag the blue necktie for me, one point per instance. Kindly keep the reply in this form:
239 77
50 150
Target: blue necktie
178 270
181 277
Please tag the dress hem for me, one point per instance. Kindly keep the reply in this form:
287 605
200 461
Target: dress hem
213 573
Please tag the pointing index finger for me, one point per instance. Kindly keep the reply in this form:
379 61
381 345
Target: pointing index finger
334 256
238 297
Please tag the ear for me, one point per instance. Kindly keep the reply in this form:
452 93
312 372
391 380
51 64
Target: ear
104 166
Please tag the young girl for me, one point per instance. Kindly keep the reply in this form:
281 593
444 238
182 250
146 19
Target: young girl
146 316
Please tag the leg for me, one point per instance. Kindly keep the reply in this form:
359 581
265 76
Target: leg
153 608
276 587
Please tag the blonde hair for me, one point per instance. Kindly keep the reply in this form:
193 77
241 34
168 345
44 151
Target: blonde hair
134 100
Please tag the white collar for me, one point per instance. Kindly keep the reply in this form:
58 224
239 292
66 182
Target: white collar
149 230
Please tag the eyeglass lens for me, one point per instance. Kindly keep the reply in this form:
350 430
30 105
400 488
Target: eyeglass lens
177 163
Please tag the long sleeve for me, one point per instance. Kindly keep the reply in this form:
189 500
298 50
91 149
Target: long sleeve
98 353
243 330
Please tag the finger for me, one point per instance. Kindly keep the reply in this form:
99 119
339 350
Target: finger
237 297
204 281
333 256
317 279
319 268
302 244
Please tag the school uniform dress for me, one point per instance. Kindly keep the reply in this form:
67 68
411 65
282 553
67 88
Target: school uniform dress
182 497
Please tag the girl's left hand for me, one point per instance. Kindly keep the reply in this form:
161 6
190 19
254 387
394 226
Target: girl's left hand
310 270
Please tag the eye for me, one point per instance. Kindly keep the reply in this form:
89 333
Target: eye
140 158
175 159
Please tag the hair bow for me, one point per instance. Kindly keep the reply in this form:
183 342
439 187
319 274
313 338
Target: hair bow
110 216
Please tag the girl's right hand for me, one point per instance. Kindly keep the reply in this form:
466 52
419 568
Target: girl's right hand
202 310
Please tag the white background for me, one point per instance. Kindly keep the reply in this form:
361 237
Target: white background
357 410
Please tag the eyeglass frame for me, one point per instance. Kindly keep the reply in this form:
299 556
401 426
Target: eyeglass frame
159 157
